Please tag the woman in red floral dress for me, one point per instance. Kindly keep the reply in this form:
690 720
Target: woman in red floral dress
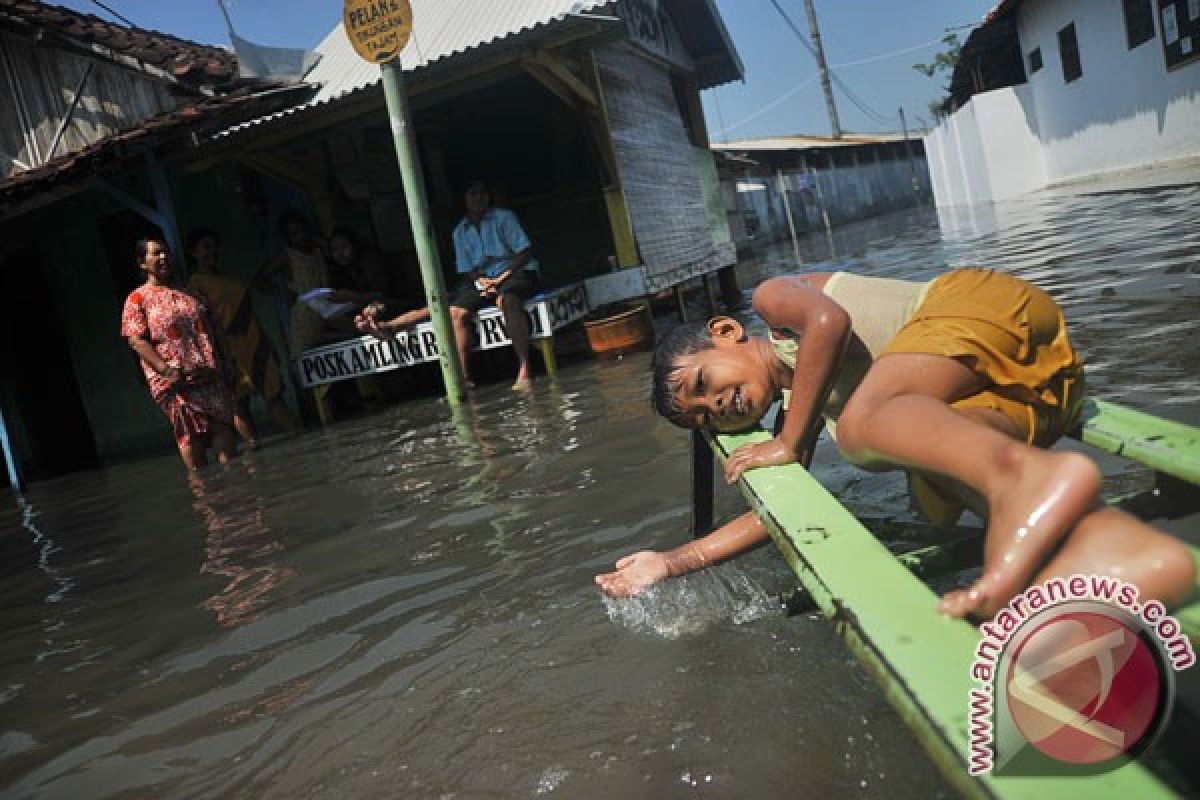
171 332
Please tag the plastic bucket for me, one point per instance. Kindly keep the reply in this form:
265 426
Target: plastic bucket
629 330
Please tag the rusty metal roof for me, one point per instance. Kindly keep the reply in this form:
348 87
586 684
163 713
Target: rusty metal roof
177 60
112 153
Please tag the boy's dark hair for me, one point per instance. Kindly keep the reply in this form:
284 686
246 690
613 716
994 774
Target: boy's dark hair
679 342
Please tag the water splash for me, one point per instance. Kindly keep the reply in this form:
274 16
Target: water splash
551 779
691 604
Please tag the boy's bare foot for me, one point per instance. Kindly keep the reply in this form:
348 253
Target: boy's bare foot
635 573
1047 494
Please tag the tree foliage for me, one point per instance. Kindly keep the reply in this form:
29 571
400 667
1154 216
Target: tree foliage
943 62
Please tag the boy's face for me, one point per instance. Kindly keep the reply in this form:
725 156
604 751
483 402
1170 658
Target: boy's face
726 388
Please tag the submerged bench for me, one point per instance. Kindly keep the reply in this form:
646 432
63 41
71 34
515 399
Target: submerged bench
367 355
888 617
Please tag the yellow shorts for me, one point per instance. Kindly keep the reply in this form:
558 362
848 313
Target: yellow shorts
1010 332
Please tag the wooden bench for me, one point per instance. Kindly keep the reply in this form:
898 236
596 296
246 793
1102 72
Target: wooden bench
366 355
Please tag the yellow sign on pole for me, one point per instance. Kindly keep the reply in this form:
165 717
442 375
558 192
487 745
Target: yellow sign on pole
377 29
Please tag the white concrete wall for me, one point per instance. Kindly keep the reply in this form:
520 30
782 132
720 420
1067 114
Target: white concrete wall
988 150
1125 111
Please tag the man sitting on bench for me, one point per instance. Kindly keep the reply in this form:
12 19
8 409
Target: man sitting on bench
492 254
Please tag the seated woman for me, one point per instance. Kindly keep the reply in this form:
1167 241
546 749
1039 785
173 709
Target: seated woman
174 336
358 277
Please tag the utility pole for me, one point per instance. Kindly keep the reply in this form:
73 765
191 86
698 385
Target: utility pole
819 52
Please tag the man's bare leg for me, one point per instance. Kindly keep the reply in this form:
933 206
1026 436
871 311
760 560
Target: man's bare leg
518 332
461 319
900 417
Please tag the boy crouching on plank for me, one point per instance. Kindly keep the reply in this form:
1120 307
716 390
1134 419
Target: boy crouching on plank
961 382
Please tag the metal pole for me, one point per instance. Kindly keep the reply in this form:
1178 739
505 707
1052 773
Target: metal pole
911 164
787 208
834 125
422 227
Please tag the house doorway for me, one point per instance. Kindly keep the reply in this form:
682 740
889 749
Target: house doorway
43 407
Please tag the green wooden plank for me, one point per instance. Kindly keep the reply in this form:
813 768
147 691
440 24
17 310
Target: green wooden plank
1167 446
889 619
1188 614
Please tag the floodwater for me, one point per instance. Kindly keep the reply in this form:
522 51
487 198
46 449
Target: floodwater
401 605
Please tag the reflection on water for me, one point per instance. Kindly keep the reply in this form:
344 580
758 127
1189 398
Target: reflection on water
402 605
239 546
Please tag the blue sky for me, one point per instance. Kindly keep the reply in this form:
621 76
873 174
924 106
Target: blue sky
779 96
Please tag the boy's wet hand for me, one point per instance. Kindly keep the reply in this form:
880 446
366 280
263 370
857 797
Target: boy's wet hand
752 456
634 574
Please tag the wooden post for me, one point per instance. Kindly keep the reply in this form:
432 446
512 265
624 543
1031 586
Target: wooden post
680 305
711 292
731 293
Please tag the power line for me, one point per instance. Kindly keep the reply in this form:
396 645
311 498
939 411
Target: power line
777 101
886 56
873 115
720 116
114 13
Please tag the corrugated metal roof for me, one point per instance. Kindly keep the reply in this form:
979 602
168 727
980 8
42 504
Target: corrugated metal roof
801 142
441 28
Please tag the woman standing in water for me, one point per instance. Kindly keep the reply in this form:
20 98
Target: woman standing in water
170 330
254 365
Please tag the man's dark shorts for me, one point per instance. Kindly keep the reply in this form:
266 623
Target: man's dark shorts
522 283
